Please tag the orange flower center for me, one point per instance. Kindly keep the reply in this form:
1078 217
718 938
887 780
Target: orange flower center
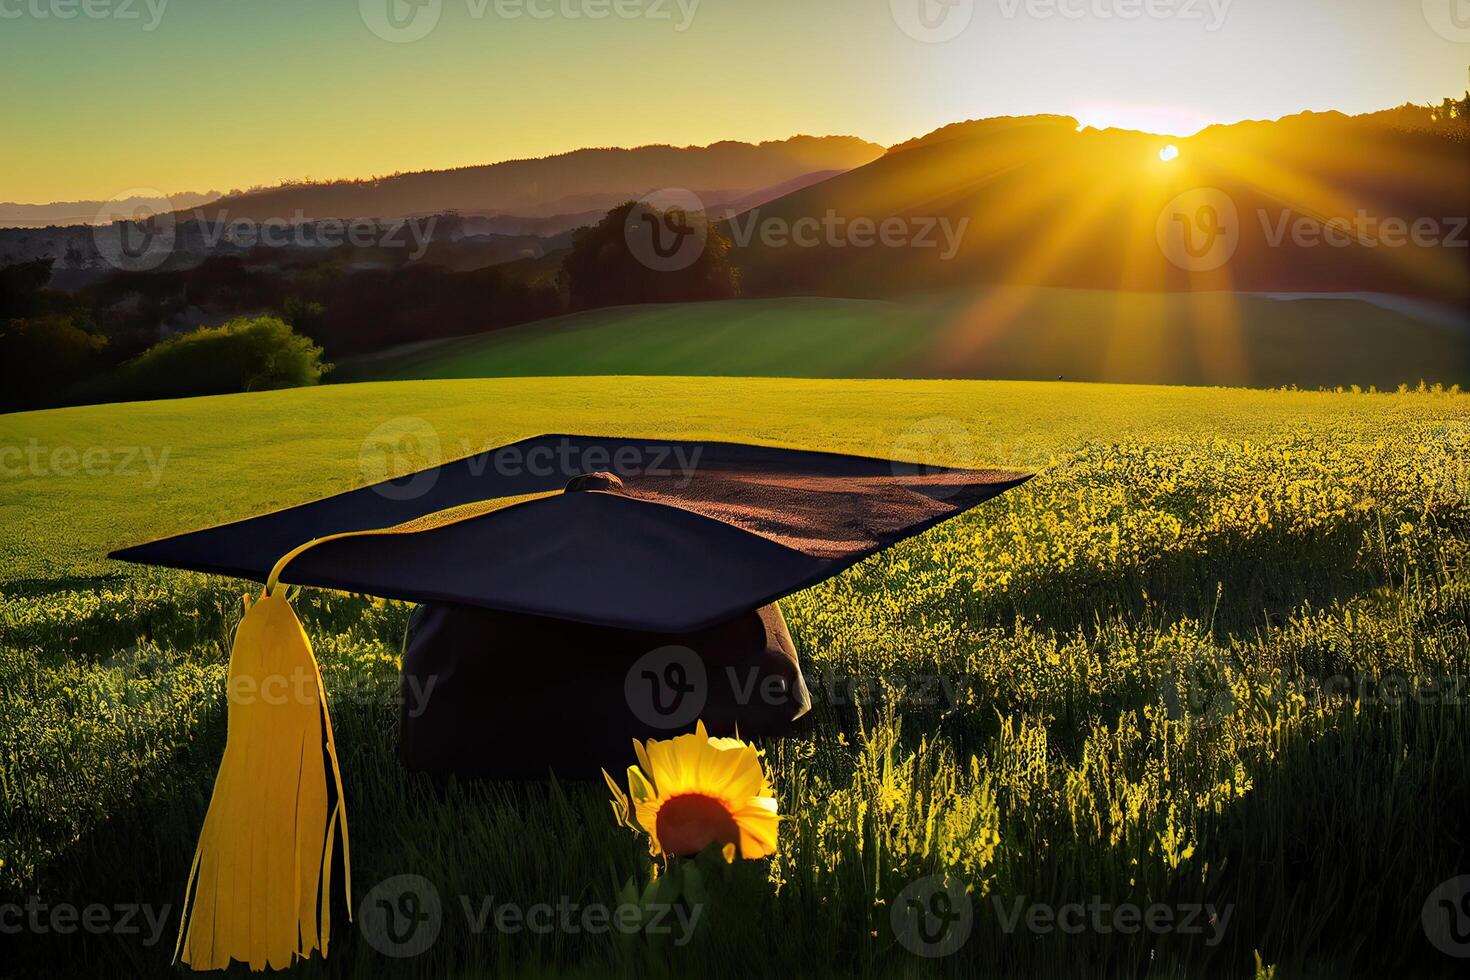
690 822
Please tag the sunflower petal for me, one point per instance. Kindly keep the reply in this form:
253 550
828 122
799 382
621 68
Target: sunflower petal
621 810
639 788
758 825
642 754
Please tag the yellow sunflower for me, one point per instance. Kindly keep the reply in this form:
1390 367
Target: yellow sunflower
692 791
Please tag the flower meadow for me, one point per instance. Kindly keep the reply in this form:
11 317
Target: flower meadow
1193 702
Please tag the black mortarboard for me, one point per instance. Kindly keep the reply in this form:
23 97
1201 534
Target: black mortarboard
672 537
575 592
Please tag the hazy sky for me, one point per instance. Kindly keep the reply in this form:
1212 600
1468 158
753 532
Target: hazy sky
213 94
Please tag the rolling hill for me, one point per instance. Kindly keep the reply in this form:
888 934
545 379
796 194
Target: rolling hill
1082 335
1035 201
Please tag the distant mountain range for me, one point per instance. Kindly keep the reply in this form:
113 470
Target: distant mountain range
717 204
65 213
576 184
493 214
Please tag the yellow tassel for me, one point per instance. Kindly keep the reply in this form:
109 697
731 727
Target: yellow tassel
260 887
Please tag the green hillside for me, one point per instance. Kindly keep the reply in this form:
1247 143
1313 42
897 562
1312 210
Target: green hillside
1035 334
1209 656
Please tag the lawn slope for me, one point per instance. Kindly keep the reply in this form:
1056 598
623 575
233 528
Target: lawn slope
1000 333
1213 655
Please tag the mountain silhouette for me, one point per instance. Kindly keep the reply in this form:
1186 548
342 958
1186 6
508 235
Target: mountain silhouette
1315 202
577 183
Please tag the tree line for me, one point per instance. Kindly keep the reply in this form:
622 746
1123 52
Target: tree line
208 328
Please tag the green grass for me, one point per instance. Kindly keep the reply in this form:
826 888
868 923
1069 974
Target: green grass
1174 670
1041 334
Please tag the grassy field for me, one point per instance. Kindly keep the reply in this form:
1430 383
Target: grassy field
1023 334
1213 657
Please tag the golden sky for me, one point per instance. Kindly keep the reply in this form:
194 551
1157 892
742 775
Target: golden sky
109 95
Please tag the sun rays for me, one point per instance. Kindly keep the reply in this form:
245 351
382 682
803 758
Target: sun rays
1177 229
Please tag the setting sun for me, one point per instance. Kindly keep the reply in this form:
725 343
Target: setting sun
1169 153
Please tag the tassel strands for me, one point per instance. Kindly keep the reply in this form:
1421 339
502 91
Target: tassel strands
261 883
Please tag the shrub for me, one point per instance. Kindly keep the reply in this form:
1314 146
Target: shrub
41 356
246 354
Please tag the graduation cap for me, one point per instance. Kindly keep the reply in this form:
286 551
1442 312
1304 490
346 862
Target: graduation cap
590 590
